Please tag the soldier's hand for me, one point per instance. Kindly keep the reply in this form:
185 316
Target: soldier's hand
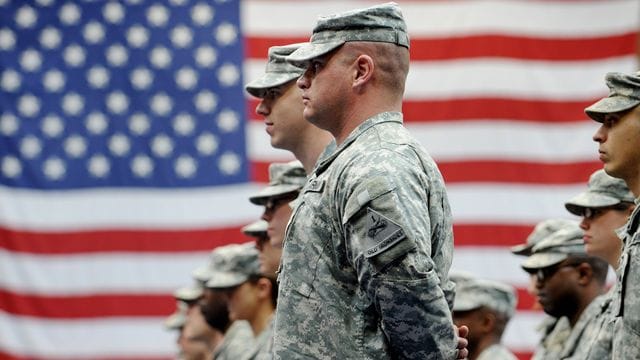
462 332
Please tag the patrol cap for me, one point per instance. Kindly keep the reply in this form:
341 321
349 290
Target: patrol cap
473 293
240 262
177 320
256 228
561 245
284 178
189 293
217 258
277 72
542 230
380 23
624 94
602 190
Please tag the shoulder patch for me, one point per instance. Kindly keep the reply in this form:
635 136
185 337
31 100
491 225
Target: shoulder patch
384 233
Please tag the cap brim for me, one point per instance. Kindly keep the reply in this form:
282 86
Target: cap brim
224 280
272 191
309 51
259 86
522 249
610 105
577 204
543 260
255 229
188 294
175 321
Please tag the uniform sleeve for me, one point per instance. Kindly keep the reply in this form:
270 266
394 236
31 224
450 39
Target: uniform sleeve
387 224
627 343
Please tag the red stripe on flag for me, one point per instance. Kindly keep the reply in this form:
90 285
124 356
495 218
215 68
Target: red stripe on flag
123 305
516 172
541 111
86 306
475 46
488 171
138 241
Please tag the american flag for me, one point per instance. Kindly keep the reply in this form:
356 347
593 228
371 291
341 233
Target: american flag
128 148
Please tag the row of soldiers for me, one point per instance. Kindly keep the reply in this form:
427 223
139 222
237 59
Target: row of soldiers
352 261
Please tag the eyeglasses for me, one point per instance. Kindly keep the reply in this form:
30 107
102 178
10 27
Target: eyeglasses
592 213
548 272
274 203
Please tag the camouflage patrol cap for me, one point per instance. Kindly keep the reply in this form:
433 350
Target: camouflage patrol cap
380 23
542 230
217 258
177 320
284 178
624 94
473 293
561 245
256 228
277 72
189 293
240 262
603 190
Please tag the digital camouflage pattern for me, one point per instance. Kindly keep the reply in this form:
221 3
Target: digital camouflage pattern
602 190
595 340
559 246
626 303
473 293
277 72
237 342
238 264
263 347
367 253
624 94
496 352
585 330
541 231
284 178
555 332
380 23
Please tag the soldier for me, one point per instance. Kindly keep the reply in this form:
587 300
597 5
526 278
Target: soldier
617 140
269 254
176 321
238 337
281 106
251 296
285 182
569 284
605 206
368 249
485 306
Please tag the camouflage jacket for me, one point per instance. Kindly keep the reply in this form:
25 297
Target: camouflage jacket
367 253
585 332
555 332
626 302
238 341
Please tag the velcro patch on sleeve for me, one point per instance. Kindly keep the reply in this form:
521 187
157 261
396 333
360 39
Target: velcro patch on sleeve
383 232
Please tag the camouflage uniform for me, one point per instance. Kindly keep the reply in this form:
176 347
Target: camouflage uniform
238 339
624 94
263 344
367 252
626 303
555 332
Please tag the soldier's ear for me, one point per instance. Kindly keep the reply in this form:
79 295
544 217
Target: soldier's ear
364 66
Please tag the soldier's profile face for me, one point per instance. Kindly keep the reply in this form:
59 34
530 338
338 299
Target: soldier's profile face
617 139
